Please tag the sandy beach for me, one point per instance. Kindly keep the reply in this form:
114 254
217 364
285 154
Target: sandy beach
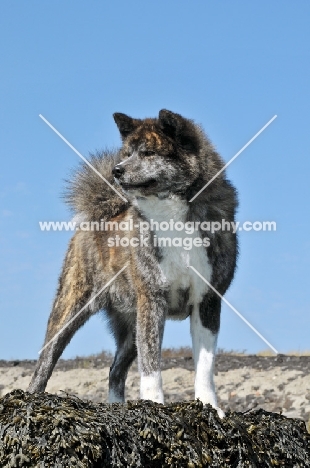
243 382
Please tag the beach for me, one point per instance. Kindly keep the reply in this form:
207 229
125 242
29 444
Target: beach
243 382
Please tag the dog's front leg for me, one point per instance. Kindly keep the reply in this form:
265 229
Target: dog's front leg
151 295
205 323
151 314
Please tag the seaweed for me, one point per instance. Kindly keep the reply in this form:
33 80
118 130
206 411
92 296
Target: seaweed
43 430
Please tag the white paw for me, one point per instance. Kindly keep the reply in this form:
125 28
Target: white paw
220 412
213 403
151 387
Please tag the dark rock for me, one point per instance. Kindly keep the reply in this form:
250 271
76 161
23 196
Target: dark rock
47 430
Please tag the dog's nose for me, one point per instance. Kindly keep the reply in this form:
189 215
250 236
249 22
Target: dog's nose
118 170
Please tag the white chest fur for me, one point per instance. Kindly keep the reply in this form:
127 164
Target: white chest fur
175 258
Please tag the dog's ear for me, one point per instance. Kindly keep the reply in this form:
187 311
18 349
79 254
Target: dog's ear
169 122
126 124
179 129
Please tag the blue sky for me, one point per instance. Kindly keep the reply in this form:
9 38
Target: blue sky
230 66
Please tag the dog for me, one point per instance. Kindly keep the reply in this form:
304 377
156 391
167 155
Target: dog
161 166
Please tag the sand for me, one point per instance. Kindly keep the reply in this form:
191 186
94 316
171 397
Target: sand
277 388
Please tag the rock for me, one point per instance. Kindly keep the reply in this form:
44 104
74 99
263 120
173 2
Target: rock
48 430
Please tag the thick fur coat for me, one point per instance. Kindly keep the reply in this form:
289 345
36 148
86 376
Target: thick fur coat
161 166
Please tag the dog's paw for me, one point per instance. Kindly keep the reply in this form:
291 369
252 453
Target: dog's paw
220 412
151 387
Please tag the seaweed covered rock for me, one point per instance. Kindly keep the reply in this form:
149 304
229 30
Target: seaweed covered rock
43 430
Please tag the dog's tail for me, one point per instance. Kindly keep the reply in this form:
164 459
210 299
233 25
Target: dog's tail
88 194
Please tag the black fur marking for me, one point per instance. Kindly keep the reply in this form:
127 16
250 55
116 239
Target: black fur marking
210 312
183 309
179 129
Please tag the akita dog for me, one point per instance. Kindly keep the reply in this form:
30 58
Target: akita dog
162 164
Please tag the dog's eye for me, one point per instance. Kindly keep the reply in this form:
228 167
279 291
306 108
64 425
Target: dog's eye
147 153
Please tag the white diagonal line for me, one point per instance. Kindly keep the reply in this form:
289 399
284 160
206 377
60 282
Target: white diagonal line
84 307
234 310
234 157
81 156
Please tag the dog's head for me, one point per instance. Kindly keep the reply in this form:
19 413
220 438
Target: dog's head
158 156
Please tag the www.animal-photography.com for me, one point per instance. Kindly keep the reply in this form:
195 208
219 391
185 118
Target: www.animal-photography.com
154 234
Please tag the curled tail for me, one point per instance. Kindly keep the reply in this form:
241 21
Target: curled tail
88 195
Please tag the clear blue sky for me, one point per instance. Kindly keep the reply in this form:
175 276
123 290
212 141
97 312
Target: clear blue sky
231 66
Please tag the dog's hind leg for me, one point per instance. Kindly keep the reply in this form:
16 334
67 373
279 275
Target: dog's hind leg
74 292
205 323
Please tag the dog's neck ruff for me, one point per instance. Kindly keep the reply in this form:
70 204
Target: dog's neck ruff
175 260
163 209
